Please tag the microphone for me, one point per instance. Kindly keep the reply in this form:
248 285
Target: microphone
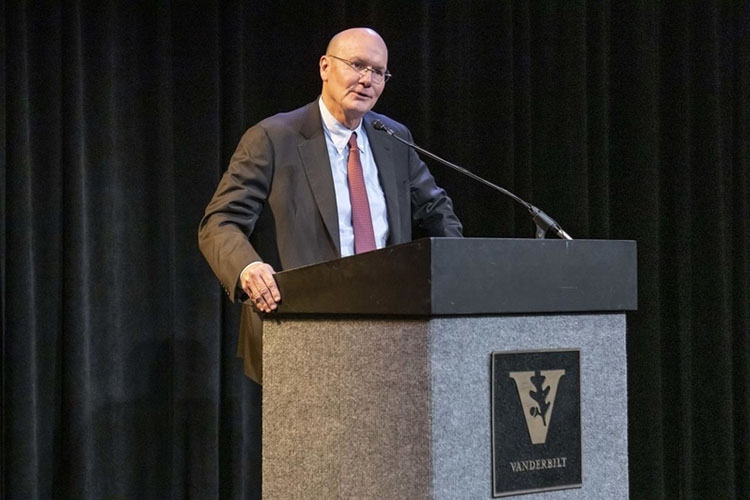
542 221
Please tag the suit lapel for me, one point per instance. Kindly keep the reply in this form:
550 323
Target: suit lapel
317 165
381 145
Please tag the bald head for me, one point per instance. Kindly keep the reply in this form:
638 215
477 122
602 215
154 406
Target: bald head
355 36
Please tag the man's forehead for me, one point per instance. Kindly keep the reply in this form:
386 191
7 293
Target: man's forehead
369 53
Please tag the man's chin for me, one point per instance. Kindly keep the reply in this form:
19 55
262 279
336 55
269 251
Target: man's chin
361 106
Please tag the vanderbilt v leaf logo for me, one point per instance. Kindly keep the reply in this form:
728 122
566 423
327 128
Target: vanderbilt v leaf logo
537 391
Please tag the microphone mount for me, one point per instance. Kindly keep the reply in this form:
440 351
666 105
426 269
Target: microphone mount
542 221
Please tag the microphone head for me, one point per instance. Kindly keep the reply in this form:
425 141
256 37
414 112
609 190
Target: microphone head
378 125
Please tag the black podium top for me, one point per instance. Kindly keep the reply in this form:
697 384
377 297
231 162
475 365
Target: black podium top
463 276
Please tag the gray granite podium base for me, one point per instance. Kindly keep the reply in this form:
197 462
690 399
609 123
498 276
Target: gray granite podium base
394 408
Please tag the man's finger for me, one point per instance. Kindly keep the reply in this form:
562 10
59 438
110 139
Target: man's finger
261 297
266 286
270 283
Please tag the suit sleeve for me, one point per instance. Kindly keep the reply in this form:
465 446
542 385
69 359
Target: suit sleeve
231 215
432 209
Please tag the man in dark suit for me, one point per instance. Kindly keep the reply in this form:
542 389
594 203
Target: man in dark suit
315 184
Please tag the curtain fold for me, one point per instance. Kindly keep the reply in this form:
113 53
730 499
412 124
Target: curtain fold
621 120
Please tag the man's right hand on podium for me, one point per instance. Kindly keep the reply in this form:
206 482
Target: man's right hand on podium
259 284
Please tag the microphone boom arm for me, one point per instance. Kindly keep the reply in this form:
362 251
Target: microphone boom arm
542 221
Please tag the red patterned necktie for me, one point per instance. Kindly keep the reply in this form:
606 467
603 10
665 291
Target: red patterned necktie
364 236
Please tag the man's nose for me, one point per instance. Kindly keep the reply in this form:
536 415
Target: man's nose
365 78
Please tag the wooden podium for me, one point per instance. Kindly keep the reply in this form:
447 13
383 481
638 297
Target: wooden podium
377 366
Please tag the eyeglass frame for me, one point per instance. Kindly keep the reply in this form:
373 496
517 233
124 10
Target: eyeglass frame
385 75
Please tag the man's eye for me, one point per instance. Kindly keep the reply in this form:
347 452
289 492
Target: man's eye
358 66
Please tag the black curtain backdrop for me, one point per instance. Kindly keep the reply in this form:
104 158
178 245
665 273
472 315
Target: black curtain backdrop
626 120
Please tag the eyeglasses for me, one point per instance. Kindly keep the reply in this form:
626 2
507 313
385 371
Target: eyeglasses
378 75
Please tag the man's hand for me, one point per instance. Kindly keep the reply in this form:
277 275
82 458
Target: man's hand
258 283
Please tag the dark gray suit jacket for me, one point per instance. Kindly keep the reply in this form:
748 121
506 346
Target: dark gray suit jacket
276 203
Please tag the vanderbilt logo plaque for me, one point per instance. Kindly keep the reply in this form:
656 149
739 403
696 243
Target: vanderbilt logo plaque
536 421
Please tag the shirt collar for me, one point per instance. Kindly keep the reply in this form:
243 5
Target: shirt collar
337 133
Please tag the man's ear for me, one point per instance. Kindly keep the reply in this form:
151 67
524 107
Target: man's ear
325 66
